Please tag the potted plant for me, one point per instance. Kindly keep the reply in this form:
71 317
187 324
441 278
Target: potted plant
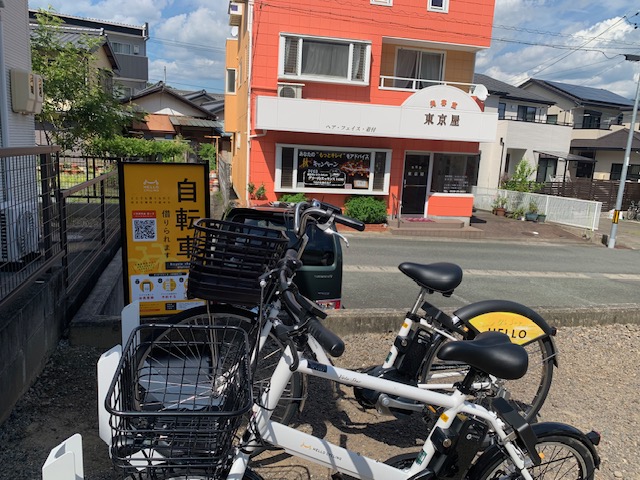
532 213
541 217
518 213
499 205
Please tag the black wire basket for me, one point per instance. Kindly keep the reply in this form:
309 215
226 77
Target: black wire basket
228 258
177 400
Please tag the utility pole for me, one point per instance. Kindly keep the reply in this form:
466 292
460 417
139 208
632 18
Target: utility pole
625 165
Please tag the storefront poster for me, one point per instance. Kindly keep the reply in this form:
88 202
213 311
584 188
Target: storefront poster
160 202
333 169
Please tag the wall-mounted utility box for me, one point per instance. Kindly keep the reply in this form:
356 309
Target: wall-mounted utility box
26 91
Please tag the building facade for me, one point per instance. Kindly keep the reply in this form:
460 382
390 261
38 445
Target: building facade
129 46
375 98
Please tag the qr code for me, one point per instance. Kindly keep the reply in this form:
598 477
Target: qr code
144 230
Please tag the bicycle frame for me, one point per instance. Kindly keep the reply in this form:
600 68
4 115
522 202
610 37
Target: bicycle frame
319 451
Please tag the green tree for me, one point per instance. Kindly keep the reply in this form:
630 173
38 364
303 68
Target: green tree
79 105
521 181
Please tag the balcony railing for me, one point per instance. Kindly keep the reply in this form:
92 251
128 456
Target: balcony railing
414 84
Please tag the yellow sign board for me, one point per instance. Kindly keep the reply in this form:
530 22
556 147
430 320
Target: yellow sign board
160 202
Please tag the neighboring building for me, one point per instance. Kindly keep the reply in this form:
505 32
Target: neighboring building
369 98
600 120
128 44
103 58
170 114
525 131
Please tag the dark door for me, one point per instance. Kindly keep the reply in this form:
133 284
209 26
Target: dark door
414 192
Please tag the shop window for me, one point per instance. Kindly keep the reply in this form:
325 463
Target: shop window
438 6
304 168
454 173
324 59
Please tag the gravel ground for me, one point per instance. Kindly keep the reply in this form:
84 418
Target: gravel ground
595 387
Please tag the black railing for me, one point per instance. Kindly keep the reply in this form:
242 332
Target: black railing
55 212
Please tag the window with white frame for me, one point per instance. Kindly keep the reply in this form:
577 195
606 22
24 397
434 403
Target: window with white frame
230 81
438 6
416 69
306 168
121 48
324 59
387 3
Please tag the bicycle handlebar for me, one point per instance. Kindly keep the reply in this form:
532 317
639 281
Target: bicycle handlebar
321 211
304 310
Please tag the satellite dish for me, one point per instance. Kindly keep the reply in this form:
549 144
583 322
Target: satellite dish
480 92
234 31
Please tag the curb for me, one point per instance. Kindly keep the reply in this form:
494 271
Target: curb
104 330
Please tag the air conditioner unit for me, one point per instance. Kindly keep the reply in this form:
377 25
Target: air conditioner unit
290 90
19 232
235 14
136 49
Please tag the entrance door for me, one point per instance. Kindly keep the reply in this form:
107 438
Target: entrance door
414 191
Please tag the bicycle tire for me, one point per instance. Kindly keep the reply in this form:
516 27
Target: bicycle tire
526 394
559 453
248 475
219 314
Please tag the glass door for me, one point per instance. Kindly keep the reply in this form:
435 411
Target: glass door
414 190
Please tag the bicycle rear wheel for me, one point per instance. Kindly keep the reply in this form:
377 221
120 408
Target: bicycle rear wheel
526 394
268 357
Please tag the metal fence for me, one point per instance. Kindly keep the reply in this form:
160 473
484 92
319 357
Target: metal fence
567 211
54 212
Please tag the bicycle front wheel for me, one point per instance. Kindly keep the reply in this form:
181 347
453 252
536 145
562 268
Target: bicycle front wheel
268 357
526 394
562 457
631 213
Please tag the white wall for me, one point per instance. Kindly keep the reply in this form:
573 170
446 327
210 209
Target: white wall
15 52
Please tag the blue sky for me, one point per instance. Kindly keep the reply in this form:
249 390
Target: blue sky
572 41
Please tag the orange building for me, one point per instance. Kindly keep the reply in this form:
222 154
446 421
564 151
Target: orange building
334 98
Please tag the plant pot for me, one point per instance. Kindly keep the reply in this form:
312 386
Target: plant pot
531 217
500 212
541 218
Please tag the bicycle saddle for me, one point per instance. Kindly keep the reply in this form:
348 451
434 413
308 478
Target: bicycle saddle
440 277
490 352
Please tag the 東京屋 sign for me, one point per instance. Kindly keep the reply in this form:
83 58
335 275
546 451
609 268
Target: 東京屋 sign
159 204
439 112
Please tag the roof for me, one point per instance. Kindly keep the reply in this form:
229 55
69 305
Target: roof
583 95
160 87
75 35
571 157
142 30
504 90
614 141
185 121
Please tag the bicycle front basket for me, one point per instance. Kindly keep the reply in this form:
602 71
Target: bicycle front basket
178 397
227 259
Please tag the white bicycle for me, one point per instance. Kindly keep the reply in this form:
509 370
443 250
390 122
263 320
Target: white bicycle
181 391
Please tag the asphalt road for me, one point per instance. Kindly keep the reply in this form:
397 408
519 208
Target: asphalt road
535 275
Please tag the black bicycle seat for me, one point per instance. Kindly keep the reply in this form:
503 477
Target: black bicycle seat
440 277
490 352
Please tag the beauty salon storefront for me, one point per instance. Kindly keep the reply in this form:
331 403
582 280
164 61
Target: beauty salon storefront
424 152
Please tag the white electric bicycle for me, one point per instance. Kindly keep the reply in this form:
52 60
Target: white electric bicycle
181 392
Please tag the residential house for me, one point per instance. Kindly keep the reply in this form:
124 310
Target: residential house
366 98
128 44
600 120
525 131
170 114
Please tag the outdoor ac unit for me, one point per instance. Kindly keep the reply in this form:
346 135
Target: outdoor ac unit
19 232
235 14
290 90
